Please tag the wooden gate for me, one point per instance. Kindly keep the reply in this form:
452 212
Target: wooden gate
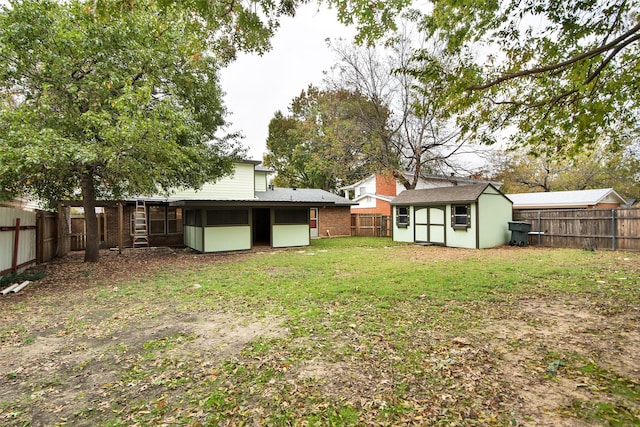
374 225
46 235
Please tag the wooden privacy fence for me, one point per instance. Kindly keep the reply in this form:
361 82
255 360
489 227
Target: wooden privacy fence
46 235
17 239
616 229
374 225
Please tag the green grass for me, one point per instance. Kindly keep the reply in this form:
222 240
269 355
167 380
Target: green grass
370 328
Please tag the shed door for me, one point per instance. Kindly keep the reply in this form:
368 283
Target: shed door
429 225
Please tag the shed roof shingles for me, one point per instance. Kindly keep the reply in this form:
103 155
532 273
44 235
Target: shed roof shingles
457 194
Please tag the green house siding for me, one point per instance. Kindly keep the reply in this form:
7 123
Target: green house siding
237 186
193 237
220 239
494 216
261 181
291 235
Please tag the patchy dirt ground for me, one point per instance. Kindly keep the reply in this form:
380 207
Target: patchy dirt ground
70 365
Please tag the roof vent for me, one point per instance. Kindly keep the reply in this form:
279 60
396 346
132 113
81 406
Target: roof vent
293 187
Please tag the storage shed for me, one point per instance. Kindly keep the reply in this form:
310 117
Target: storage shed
466 216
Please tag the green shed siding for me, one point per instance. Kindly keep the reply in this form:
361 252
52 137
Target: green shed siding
494 216
402 234
462 238
220 239
291 235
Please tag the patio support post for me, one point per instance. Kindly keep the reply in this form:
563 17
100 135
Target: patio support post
120 224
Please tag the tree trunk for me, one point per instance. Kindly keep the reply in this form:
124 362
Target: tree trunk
92 251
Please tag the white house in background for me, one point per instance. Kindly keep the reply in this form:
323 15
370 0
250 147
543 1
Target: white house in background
374 193
602 198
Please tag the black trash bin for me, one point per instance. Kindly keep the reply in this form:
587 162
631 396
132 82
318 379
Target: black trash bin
519 233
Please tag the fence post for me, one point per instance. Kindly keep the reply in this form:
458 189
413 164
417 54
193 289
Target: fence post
613 229
539 229
16 246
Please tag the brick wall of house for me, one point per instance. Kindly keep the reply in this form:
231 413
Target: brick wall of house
385 185
382 208
335 219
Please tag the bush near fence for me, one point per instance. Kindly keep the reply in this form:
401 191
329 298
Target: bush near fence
616 229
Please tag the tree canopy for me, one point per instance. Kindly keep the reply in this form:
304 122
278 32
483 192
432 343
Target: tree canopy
324 141
104 105
561 74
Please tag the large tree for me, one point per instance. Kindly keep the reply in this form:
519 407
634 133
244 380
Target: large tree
562 74
413 126
325 140
105 105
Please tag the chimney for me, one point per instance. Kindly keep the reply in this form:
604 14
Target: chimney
293 187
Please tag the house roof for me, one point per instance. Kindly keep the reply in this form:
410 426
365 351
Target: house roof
302 195
452 180
275 196
456 194
375 196
566 199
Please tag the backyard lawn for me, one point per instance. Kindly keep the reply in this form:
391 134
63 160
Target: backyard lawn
348 331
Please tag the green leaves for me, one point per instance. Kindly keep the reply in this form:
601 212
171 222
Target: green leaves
133 96
561 74
330 137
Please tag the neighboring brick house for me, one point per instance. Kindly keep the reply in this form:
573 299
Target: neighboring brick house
374 193
237 212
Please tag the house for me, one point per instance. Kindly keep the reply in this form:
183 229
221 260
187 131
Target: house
374 193
603 198
237 212
464 216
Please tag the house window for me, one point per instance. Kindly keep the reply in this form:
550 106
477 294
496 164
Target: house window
362 190
161 220
402 216
156 220
291 216
226 217
460 216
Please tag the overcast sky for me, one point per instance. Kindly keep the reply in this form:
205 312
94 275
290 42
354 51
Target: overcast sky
258 86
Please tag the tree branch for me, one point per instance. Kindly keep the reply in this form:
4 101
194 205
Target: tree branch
617 44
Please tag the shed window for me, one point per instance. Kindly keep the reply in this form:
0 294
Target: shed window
402 216
460 216
291 216
224 217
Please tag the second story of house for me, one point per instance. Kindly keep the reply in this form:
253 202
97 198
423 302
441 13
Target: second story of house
247 178
376 190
